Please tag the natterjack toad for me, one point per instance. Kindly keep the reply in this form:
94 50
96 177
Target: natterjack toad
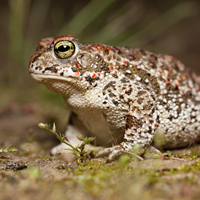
122 96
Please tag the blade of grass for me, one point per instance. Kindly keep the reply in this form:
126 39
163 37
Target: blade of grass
17 16
159 25
38 16
16 27
120 22
87 15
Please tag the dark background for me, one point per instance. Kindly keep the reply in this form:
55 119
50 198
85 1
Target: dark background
169 27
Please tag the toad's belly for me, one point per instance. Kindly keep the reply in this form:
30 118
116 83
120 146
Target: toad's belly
96 125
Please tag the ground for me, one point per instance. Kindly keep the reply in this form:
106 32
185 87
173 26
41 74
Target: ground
31 173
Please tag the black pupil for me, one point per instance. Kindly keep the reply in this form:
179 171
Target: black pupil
63 48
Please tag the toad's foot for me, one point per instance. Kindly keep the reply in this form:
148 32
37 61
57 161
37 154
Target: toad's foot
113 153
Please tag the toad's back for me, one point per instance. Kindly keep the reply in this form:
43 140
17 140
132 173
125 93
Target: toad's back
123 94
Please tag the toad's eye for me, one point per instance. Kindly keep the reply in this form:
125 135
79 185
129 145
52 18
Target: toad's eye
64 49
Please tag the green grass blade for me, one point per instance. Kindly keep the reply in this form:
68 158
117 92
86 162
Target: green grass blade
87 15
38 16
159 25
120 22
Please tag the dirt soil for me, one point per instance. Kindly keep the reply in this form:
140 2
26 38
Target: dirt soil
31 173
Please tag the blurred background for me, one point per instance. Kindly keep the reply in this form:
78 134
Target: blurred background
168 27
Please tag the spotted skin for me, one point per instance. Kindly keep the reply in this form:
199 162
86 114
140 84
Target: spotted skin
123 96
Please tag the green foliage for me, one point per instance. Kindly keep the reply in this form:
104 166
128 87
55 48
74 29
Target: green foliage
79 150
85 17
33 173
8 149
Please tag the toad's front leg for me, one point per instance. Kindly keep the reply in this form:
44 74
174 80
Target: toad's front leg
139 133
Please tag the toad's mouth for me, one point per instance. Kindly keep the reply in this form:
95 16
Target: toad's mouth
41 77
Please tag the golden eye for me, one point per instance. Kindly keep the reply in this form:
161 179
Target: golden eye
64 49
